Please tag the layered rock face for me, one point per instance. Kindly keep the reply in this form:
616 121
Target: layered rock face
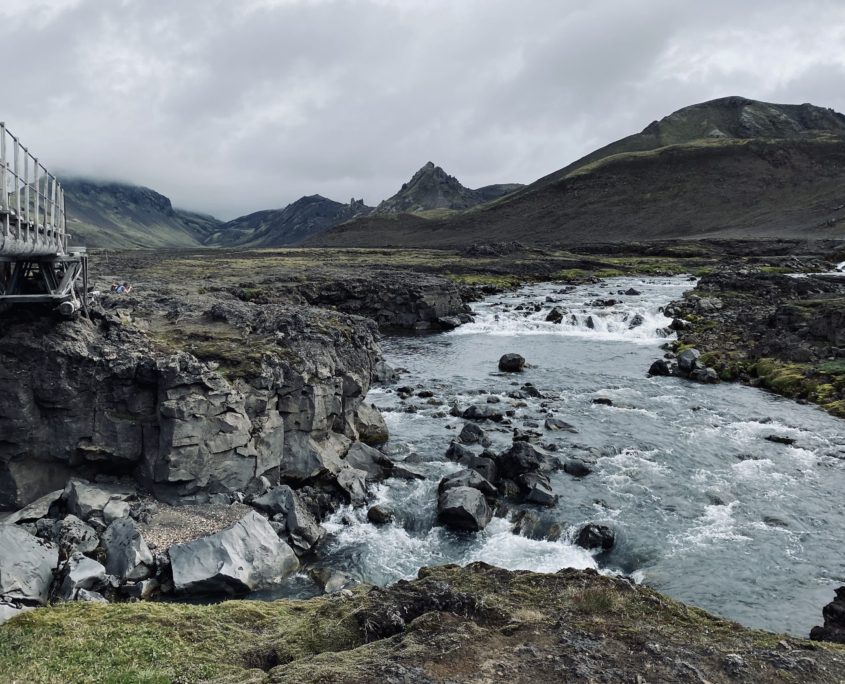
231 392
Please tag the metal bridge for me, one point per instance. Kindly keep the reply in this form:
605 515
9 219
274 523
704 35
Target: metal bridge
36 264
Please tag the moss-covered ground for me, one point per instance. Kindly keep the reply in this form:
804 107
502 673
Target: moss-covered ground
473 624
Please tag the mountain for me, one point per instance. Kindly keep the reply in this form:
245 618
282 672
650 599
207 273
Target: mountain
432 188
731 167
307 217
118 215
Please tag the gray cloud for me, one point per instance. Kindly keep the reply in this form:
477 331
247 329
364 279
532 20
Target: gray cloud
229 107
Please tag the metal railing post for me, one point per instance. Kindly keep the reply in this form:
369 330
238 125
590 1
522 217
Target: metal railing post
17 184
53 205
5 198
27 210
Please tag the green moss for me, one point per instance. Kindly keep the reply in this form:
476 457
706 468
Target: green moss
505 281
153 642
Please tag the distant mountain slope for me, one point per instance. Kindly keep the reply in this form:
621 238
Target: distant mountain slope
729 167
306 217
432 188
107 214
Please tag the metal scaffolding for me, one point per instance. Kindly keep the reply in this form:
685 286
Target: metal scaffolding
36 264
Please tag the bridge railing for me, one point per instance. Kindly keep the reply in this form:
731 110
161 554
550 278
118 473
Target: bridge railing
31 197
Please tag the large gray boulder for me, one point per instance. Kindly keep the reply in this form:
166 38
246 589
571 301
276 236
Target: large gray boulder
375 463
463 508
536 488
370 425
84 499
26 566
127 555
307 456
71 535
511 363
80 572
466 478
242 558
687 360
353 482
40 508
24 480
302 530
523 458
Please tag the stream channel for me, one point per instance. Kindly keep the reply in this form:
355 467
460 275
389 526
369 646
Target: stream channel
704 507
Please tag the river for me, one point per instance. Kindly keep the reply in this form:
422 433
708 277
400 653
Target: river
705 508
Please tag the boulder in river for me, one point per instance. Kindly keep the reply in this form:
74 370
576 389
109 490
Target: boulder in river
372 461
473 434
511 363
466 478
555 315
595 536
553 423
524 458
687 360
379 515
536 488
660 367
463 508
483 465
484 412
577 468
244 557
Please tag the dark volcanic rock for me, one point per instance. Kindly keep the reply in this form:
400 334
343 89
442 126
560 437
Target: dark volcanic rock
595 536
463 508
523 458
379 515
511 363
834 620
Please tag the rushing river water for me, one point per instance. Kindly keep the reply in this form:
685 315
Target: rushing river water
704 507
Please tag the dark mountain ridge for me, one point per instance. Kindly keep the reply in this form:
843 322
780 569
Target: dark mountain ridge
432 188
111 214
730 167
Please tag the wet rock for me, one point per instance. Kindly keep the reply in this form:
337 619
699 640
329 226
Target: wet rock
594 536
242 558
633 292
26 566
687 360
353 483
463 508
80 572
779 439
576 468
529 524
558 424
473 434
127 555
466 478
705 375
536 488
307 457
484 412
555 315
660 367
524 458
511 363
636 321
331 581
483 465
448 322
379 515
834 620
370 425
372 461
602 401
405 471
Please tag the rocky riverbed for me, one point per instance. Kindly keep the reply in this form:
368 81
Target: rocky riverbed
209 435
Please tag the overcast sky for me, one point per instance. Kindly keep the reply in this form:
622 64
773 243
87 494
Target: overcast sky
230 106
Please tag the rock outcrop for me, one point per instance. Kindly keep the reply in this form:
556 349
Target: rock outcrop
261 390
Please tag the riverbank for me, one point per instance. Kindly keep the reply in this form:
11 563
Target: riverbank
770 330
473 624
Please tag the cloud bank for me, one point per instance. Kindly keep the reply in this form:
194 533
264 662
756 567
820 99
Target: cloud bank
230 107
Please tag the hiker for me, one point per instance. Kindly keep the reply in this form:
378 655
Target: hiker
124 288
